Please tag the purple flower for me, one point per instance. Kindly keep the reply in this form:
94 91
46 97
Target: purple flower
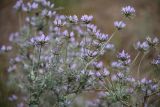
48 13
65 33
156 61
72 38
106 72
13 97
101 36
73 19
119 24
40 40
116 65
34 5
5 48
154 87
92 28
114 78
44 12
123 56
102 94
88 53
130 79
128 11
97 74
144 46
152 42
18 4
109 46
120 75
98 65
96 43
31 6
144 81
59 23
47 3
24 8
11 68
86 19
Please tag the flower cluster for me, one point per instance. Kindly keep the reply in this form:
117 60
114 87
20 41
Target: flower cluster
156 61
119 24
152 42
40 40
123 60
73 19
86 19
128 11
147 44
5 49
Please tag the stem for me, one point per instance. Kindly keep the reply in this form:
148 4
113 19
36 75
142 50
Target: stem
20 21
145 99
135 58
39 56
125 103
138 73
66 53
103 46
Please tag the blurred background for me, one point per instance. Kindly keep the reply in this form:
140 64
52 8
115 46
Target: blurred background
105 12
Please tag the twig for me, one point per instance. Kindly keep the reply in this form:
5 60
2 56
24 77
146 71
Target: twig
138 73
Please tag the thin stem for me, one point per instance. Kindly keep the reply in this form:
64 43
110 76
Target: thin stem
145 99
66 53
154 93
39 56
135 58
20 21
103 80
138 73
103 46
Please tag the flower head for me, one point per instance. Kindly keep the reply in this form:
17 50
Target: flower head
40 40
18 4
109 46
59 22
5 48
86 19
92 28
144 46
119 24
128 11
123 56
13 97
152 42
73 19
156 61
101 36
116 65
48 13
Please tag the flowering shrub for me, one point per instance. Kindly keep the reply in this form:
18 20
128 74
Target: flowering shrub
60 57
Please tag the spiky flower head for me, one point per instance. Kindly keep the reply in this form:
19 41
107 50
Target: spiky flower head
119 24
128 11
87 18
40 40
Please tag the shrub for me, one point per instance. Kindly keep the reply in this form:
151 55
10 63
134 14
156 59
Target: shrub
59 57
